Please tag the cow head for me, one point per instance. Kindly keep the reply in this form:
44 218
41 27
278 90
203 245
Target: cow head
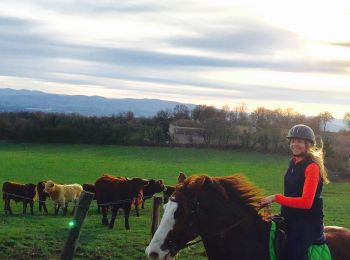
156 186
41 189
48 186
137 184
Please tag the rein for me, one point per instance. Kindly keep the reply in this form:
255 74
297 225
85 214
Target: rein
214 235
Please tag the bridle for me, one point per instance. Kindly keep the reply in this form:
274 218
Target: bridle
194 207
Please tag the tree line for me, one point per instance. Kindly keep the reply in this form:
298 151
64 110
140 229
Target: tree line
261 129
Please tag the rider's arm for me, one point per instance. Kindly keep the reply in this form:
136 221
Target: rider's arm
312 177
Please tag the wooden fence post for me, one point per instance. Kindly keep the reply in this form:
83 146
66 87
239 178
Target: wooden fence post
157 203
75 226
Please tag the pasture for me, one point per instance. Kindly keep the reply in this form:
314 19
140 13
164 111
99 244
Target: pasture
43 237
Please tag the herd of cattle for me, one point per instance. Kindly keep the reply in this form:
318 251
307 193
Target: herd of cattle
110 193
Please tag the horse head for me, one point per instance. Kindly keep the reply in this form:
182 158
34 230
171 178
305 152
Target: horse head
192 208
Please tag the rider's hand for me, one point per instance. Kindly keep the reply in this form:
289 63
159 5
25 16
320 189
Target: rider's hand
267 200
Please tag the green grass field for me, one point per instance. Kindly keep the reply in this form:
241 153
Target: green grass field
43 237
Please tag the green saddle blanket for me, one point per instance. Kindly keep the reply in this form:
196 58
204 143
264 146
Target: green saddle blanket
315 252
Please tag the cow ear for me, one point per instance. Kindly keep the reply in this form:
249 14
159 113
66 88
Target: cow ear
181 178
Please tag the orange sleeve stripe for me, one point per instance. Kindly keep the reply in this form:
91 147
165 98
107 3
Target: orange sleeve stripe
312 177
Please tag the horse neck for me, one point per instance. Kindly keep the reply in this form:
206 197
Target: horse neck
247 240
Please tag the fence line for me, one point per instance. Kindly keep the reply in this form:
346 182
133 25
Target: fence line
98 204
120 213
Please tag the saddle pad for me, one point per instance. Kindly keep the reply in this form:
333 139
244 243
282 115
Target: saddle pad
272 241
315 252
319 252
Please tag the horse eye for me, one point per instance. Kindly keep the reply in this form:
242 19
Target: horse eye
177 213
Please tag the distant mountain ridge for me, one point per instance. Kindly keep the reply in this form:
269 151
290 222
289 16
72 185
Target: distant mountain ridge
28 100
336 125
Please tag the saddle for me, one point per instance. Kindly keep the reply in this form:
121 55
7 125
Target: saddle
280 238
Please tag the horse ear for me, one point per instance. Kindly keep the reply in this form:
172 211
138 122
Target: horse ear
207 181
181 178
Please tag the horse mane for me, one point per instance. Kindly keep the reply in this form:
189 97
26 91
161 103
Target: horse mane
235 187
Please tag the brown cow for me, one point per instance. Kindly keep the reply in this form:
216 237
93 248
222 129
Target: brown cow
26 193
117 192
153 187
42 196
91 188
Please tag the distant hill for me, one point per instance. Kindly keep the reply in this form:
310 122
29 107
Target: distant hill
12 100
336 125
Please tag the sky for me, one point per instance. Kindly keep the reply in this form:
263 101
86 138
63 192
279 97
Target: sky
293 54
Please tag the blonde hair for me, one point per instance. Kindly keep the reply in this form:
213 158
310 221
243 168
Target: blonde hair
316 154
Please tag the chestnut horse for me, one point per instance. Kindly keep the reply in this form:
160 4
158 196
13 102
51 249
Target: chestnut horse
223 211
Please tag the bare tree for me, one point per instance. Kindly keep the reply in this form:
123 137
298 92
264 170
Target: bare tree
346 119
181 112
203 112
325 117
227 112
242 112
262 117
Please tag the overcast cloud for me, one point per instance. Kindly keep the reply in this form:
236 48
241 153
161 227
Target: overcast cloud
193 51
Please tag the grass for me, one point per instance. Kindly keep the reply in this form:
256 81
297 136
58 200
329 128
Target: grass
43 237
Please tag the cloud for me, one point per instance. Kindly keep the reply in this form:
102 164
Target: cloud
241 36
37 48
40 56
100 7
24 44
342 44
21 41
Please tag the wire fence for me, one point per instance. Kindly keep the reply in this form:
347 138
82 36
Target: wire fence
51 202
140 228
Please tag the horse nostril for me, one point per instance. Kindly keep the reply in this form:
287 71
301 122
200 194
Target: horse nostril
153 255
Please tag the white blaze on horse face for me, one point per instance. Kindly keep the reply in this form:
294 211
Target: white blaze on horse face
166 224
